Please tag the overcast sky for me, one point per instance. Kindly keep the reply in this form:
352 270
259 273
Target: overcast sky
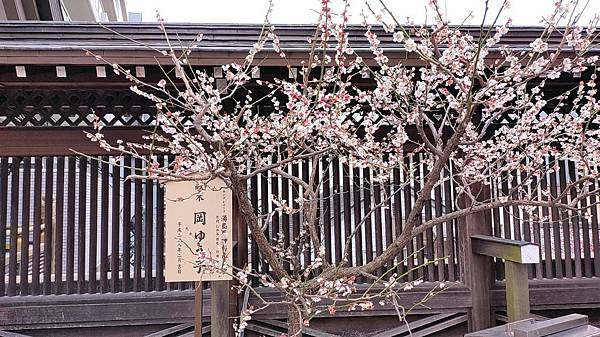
522 12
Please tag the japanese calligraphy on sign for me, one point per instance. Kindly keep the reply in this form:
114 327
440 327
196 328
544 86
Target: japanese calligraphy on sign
198 235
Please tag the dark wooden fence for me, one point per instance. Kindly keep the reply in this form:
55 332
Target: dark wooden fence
73 224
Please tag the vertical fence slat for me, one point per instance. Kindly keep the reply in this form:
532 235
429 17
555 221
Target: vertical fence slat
347 215
104 207
358 236
70 272
148 223
275 220
378 222
429 247
389 194
576 222
81 225
407 194
398 219
48 225
58 234
160 234
14 220
449 225
126 235
337 211
527 224
420 250
595 231
296 216
587 242
93 285
3 218
24 261
254 255
440 254
285 218
264 205
556 228
137 245
367 226
564 219
537 231
37 226
114 241
549 272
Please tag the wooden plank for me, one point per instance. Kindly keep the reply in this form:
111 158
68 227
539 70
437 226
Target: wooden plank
407 195
264 210
450 226
356 199
549 271
254 253
517 291
576 222
439 232
587 242
398 220
263 331
104 216
172 330
441 326
337 212
307 242
378 223
419 240
137 241
63 141
70 258
428 237
11 334
558 265
25 223
276 217
389 225
93 286
511 250
81 226
367 226
595 231
347 208
115 228
3 218
160 234
536 230
37 228
58 237
126 234
404 328
148 224
305 330
295 217
14 223
285 218
48 225
326 169
221 324
198 310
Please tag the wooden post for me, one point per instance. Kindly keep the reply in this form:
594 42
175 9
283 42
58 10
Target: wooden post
198 309
517 291
220 323
516 254
476 270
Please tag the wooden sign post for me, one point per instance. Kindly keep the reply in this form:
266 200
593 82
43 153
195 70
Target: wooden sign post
198 244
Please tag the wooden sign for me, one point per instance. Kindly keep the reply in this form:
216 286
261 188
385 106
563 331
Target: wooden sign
198 232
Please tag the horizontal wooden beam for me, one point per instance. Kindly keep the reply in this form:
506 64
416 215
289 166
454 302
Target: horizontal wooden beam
62 141
511 250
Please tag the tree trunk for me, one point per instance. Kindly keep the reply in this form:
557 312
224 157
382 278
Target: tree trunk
294 322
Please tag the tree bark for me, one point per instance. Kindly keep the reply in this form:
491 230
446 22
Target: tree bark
294 322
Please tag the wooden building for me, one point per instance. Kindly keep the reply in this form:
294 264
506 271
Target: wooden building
83 252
